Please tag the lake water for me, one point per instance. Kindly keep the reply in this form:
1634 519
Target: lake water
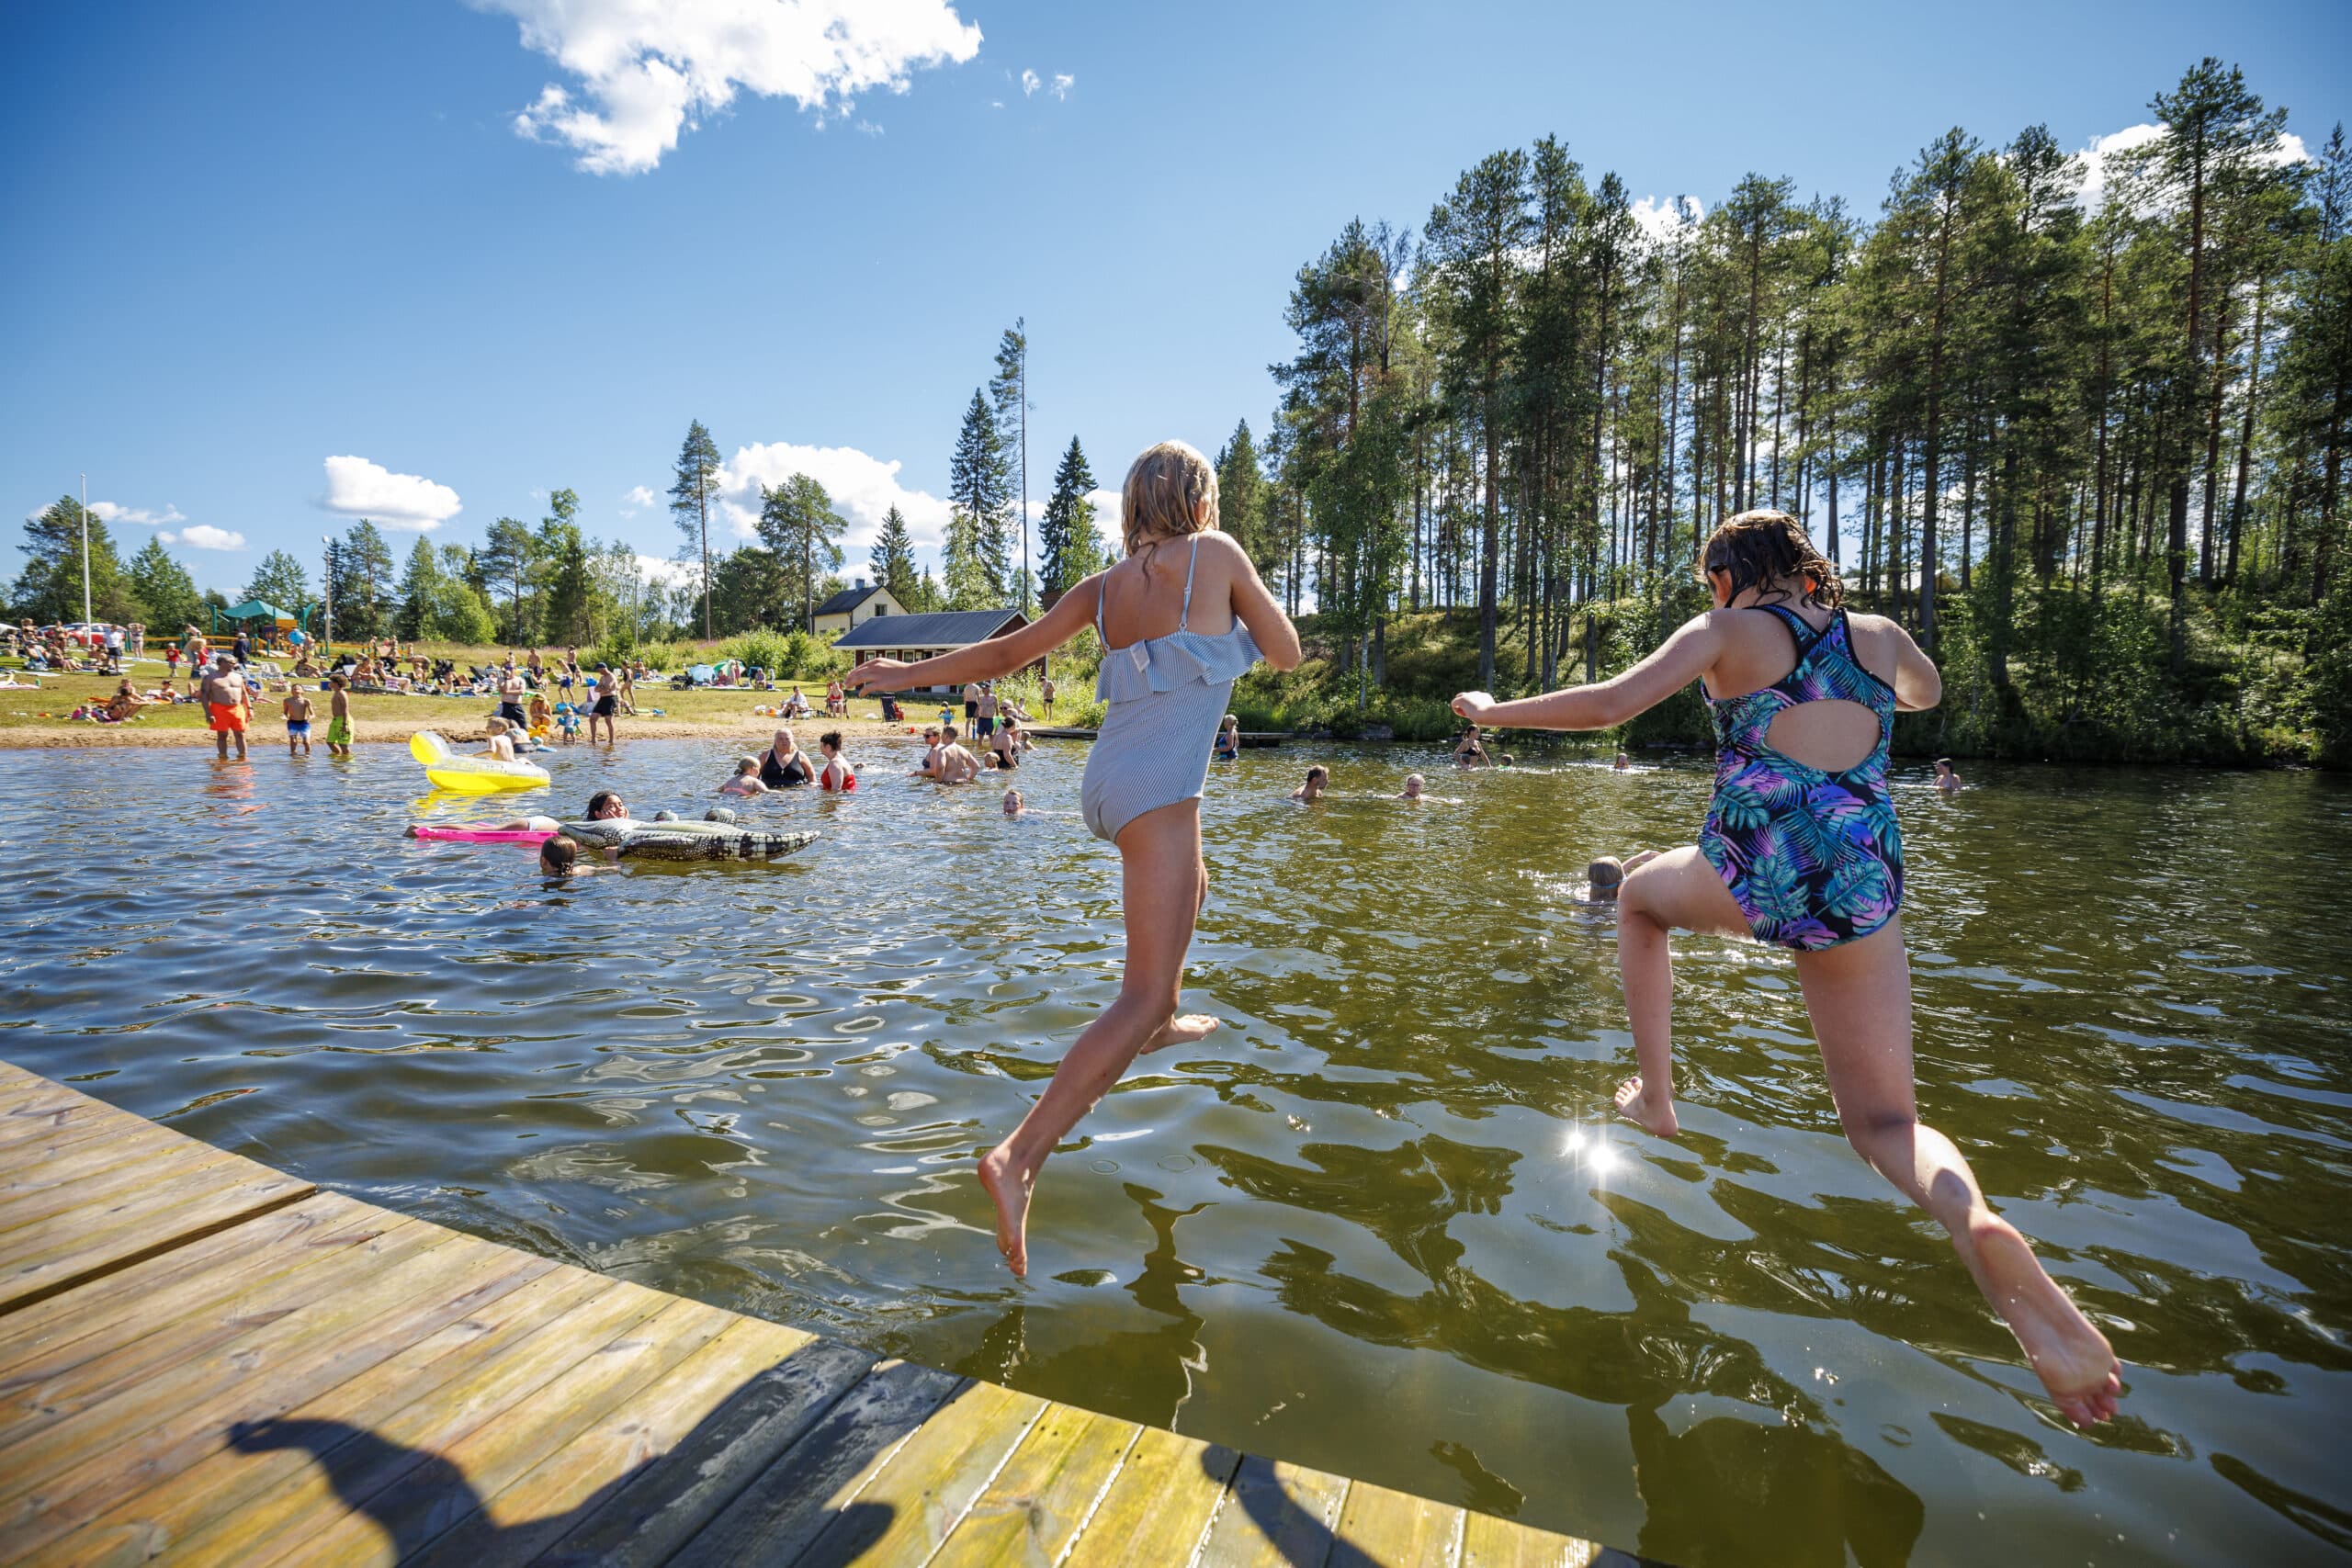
1382 1224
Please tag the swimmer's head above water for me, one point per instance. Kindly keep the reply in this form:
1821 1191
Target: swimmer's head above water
1413 786
605 805
1604 877
1012 803
556 854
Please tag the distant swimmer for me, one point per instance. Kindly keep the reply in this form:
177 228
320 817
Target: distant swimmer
1414 784
1946 780
1604 874
1318 778
1470 752
1624 763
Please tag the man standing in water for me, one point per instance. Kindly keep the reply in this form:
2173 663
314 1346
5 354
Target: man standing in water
224 692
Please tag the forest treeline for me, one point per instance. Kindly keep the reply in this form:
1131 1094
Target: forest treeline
2087 445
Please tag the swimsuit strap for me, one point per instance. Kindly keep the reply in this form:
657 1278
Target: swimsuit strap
1185 621
1101 597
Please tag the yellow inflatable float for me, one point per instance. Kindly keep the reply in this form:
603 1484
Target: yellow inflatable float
471 775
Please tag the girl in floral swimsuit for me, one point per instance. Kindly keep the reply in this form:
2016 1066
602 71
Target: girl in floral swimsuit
1801 849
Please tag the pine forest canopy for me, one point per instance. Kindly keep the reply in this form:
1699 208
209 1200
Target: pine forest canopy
2093 456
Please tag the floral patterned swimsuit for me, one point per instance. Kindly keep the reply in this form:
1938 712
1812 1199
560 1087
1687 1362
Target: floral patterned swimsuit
1814 857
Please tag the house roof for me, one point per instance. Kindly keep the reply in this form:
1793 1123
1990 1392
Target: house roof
849 599
949 629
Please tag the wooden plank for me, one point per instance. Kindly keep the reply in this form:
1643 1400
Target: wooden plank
921 1491
51 1116
227 1487
188 1278
1275 1514
420 1506
542 1505
1042 1498
1490 1542
360 1456
83 1465
795 1500
33 1188
63 1258
1379 1526
1166 1493
657 1511
45 1380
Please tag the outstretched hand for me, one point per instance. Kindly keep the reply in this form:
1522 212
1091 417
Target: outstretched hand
871 670
1473 706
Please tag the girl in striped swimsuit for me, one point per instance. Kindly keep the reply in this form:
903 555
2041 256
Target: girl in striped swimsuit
1181 617
1801 849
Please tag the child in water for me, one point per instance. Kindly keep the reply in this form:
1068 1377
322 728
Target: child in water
1801 849
1013 806
1167 670
1228 739
558 855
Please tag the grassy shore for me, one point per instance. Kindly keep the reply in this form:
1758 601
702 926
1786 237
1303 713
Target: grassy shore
30 719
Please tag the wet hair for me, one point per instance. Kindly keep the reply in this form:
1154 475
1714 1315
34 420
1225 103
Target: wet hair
831 741
719 814
1606 874
556 854
598 801
947 732
1944 763
1319 771
746 765
1763 550
1163 497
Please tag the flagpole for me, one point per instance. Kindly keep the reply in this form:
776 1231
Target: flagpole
85 549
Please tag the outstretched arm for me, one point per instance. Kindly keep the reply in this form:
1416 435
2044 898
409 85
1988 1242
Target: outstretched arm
986 660
1679 661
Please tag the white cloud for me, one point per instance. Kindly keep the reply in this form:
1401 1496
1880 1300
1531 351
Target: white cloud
107 512
404 502
1030 83
650 69
863 489
203 537
1107 514
2096 157
667 572
1063 83
639 499
1655 217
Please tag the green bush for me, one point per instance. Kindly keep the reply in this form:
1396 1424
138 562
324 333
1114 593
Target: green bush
771 651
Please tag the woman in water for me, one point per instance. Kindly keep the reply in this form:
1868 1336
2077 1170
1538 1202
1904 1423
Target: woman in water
1179 616
1801 849
785 766
836 776
1228 739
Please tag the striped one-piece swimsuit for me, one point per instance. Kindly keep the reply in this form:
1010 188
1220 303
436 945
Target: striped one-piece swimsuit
1167 696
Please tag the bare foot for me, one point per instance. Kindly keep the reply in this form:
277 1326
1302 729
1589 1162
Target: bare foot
1009 1189
1655 1113
2069 1354
1181 1030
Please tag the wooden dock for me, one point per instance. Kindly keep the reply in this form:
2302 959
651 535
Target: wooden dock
204 1360
1249 738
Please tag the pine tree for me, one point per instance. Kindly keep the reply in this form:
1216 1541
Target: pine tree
51 588
1241 494
1008 394
279 581
1066 535
697 474
163 588
798 524
892 558
420 584
966 583
366 563
975 487
506 561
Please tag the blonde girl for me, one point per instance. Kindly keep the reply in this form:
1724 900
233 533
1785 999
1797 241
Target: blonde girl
1801 849
1179 616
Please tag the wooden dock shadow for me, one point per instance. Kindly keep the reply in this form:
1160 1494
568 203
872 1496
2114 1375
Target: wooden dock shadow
751 1472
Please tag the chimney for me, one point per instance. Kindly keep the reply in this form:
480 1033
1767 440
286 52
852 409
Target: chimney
861 583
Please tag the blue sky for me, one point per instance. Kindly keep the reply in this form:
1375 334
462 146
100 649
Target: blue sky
247 238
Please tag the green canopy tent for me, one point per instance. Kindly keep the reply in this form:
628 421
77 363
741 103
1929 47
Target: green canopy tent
251 610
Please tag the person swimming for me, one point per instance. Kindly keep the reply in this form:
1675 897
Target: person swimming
1801 849
1414 784
1605 874
1318 778
1165 683
1946 780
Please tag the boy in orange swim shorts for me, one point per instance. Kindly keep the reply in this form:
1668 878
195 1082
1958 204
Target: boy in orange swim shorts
224 704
